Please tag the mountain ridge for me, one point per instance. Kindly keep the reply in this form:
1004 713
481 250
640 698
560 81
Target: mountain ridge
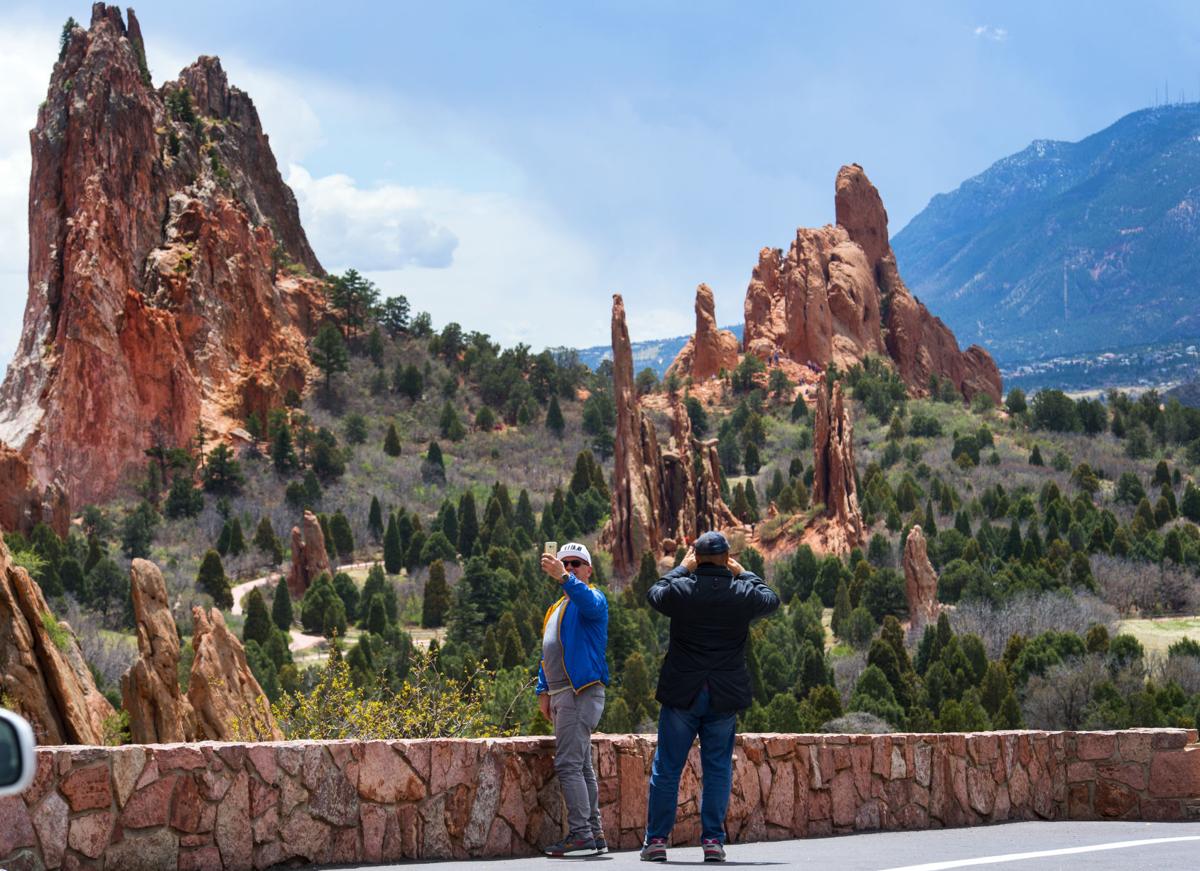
1045 245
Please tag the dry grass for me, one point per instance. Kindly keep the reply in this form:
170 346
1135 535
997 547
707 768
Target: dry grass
1157 634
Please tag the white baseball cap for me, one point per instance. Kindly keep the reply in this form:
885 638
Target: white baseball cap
575 549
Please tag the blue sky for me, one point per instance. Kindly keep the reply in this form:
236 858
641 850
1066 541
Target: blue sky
510 165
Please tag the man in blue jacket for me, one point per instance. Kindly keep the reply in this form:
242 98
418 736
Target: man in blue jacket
570 688
703 684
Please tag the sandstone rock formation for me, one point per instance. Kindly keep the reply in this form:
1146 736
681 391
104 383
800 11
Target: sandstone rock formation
837 297
709 350
158 223
23 502
159 713
660 497
309 557
920 581
834 483
228 701
43 675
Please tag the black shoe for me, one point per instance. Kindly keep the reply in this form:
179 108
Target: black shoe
601 844
572 848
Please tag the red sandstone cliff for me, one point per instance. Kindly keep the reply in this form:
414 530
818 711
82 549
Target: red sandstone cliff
157 223
709 350
837 296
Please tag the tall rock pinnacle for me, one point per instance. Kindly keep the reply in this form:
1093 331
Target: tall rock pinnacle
834 483
158 229
709 350
661 497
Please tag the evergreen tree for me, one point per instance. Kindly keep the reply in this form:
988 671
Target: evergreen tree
391 441
283 450
281 608
1190 506
267 541
223 539
435 603
750 459
375 520
70 574
211 579
222 473
343 538
183 499
468 524
258 625
433 467
377 622
393 547
1035 457
237 538
451 425
329 353
841 610
554 418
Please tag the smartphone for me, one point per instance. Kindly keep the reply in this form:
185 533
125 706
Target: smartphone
550 547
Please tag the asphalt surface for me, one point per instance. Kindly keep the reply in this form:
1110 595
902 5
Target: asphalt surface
1016 846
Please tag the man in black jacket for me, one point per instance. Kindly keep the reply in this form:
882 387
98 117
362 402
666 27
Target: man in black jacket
703 684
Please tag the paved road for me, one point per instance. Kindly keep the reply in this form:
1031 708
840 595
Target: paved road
1016 846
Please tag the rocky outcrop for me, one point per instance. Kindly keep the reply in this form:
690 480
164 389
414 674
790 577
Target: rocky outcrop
159 713
709 350
23 502
309 557
43 675
834 485
660 497
228 701
920 581
836 296
158 223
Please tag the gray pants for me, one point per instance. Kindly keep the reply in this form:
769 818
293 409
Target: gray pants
575 716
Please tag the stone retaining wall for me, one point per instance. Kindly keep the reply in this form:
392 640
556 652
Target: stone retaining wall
240 806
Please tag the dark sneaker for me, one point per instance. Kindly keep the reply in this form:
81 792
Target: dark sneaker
570 848
601 844
714 850
655 850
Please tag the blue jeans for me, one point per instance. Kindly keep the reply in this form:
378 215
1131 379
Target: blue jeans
677 729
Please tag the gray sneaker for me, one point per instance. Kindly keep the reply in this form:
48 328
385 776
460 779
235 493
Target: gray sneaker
714 850
571 848
655 850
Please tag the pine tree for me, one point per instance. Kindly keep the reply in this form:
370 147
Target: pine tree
451 425
1035 457
265 539
283 450
224 538
554 418
841 610
211 579
391 441
281 608
237 538
433 468
329 353
1190 507
375 520
393 548
258 622
523 514
468 524
377 621
436 601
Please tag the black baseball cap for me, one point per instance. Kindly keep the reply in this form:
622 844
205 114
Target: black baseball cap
711 543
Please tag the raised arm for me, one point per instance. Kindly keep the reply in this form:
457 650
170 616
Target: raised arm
763 600
592 604
662 596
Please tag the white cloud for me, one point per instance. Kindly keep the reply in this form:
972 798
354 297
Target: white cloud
374 229
994 34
